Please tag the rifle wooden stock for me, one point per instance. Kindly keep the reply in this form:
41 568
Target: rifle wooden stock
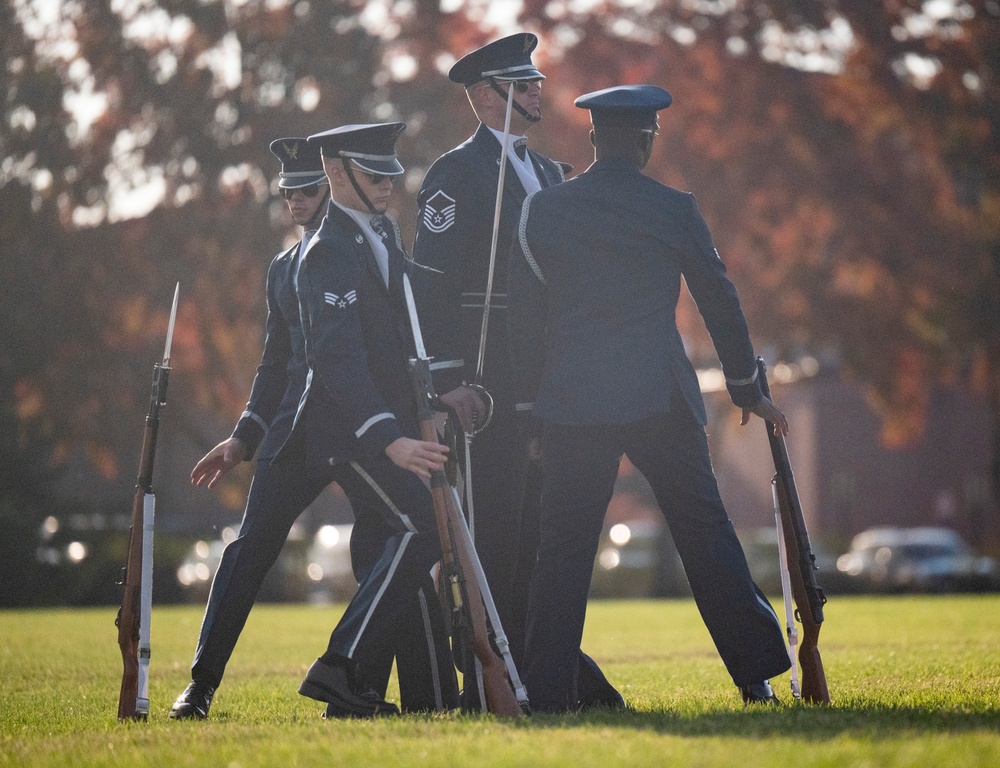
132 706
469 615
806 591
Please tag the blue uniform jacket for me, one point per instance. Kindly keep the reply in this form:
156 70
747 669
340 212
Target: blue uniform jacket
357 398
454 230
594 282
281 375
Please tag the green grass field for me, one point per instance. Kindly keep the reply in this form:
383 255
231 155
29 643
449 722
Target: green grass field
914 682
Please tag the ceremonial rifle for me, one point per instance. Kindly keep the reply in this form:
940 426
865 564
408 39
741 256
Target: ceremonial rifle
461 571
801 564
137 579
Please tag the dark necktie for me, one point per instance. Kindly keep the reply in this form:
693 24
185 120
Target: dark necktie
521 148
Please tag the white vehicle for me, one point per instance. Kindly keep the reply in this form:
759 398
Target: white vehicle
917 559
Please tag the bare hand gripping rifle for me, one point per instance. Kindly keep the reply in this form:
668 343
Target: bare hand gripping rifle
801 566
468 593
137 601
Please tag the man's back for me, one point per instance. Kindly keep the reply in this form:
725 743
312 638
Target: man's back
612 246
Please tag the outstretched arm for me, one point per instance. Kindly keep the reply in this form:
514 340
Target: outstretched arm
218 462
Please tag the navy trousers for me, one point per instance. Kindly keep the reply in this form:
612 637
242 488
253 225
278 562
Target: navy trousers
391 559
580 465
506 492
396 609
507 504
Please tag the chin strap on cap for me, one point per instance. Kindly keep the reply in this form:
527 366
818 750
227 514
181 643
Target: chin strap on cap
320 209
357 187
520 110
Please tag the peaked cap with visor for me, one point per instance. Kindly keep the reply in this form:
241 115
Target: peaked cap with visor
370 148
502 61
301 164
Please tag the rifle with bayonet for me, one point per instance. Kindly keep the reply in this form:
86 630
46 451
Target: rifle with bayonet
137 578
801 564
465 584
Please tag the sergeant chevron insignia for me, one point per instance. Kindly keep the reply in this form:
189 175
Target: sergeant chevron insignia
340 302
439 212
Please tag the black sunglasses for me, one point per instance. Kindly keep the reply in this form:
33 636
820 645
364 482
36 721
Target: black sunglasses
522 86
311 191
377 178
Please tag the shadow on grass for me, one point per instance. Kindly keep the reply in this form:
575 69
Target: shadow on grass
795 721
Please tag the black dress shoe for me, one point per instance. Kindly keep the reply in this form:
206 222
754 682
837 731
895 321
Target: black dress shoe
193 703
593 689
759 693
341 687
610 700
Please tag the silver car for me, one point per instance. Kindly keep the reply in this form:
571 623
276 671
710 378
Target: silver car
917 559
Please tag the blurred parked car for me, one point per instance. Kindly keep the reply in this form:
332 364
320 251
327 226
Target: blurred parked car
329 565
917 560
196 571
288 580
626 561
761 548
637 559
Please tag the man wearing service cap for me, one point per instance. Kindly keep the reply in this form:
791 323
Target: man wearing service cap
356 418
455 238
266 423
594 281
279 494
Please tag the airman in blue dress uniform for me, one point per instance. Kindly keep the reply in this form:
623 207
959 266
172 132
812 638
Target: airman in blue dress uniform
265 424
356 417
281 490
451 252
593 286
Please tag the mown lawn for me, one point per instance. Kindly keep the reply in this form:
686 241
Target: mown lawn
914 681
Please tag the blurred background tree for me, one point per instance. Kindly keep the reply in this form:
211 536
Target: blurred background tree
844 152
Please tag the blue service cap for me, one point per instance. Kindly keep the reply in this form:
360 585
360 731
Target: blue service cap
371 147
625 105
506 59
301 164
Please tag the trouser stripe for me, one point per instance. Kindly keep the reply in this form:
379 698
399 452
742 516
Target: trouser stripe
769 609
381 591
384 496
411 531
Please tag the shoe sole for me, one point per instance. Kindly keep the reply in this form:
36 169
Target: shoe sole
348 708
188 714
612 704
344 714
